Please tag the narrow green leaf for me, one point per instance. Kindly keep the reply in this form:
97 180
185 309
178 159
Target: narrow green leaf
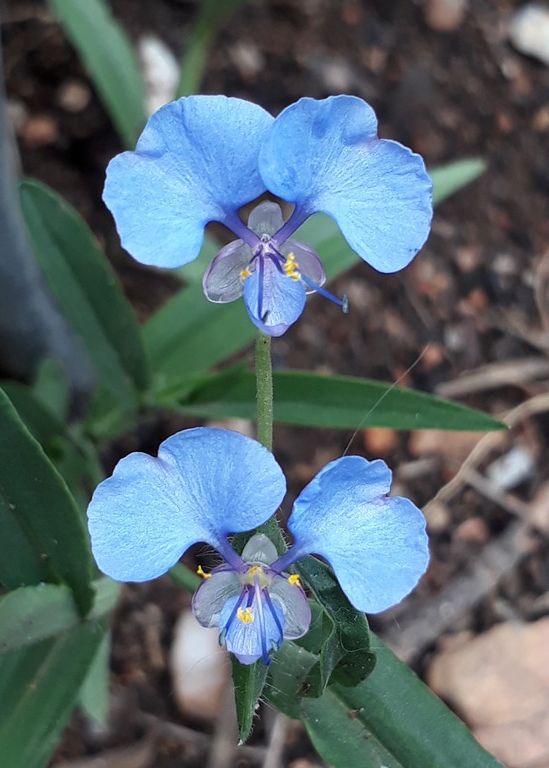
185 578
193 272
391 720
110 60
341 402
29 615
188 334
212 16
39 687
44 425
51 388
43 536
87 290
248 681
71 453
94 694
450 178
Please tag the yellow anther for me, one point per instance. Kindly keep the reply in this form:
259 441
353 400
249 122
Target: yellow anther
291 267
245 273
201 572
254 570
245 615
294 580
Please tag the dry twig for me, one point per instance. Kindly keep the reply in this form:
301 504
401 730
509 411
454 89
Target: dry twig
413 632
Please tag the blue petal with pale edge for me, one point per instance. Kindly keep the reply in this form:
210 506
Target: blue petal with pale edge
293 603
375 543
283 299
204 484
250 642
196 161
326 156
211 596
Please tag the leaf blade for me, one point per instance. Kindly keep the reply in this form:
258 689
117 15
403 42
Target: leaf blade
39 515
38 690
335 402
87 289
391 719
29 615
212 16
110 60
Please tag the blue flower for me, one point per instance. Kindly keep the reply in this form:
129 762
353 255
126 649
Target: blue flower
201 158
208 483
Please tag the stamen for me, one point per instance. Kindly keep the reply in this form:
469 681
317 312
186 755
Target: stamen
294 580
234 613
245 615
245 273
262 631
343 302
291 267
260 290
201 572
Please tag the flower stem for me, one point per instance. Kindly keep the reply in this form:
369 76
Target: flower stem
264 390
264 398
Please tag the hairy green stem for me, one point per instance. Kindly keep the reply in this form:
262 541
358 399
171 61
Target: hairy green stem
264 390
264 395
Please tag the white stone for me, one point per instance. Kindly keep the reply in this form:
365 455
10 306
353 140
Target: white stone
160 72
199 668
529 31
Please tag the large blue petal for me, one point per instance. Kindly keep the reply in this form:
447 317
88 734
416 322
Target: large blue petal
326 156
274 301
196 161
375 543
204 484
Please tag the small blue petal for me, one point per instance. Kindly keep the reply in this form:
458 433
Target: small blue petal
325 156
205 484
274 301
266 218
375 543
259 549
196 161
222 282
252 641
294 605
211 596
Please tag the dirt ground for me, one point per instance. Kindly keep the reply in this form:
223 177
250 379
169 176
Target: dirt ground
465 320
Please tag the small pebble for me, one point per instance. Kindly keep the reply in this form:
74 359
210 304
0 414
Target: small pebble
247 58
39 131
380 441
540 121
529 31
433 356
512 469
445 15
73 96
472 531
